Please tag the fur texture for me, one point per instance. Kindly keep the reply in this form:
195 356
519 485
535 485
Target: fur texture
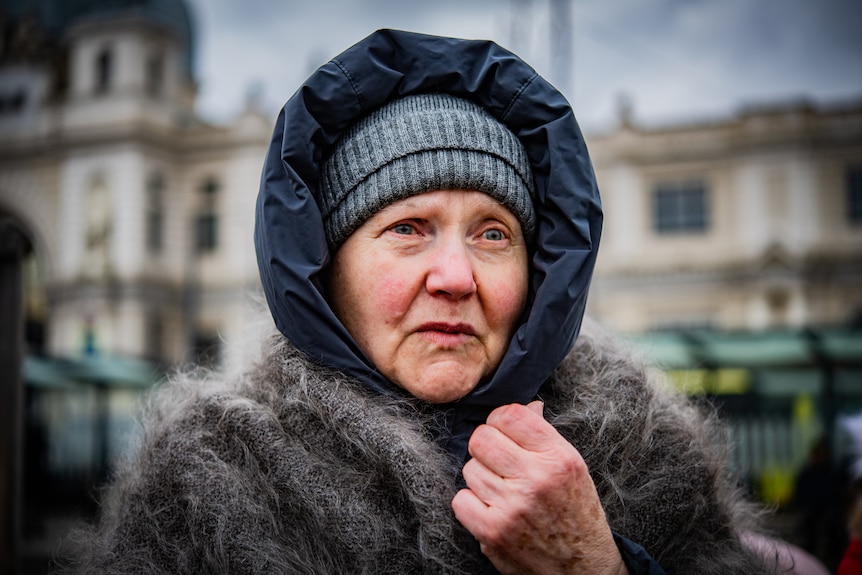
292 468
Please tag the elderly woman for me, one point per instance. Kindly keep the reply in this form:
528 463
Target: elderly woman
427 227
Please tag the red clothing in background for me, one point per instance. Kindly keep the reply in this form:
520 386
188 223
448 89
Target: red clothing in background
851 563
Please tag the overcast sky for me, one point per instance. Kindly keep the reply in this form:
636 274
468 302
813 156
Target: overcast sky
674 60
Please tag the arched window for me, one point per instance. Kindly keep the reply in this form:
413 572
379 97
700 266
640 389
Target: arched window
206 225
155 214
104 70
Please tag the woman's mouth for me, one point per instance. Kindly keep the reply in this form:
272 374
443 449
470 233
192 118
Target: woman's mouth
446 334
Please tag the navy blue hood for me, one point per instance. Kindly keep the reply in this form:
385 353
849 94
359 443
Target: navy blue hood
289 237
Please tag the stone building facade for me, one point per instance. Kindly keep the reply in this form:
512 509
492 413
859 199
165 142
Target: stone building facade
140 213
750 222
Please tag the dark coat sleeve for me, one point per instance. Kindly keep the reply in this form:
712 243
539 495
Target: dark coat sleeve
637 560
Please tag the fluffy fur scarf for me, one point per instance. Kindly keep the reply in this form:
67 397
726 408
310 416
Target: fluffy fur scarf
295 469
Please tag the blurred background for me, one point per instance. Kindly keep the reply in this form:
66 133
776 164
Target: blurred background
726 137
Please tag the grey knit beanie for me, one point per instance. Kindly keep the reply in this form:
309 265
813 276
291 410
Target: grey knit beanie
417 144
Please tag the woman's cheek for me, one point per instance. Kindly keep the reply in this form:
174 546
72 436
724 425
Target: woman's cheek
510 298
391 295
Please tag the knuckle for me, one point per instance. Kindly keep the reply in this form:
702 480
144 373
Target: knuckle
476 444
479 435
469 470
459 501
557 469
568 462
505 414
572 466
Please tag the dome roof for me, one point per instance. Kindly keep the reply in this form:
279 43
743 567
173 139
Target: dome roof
56 16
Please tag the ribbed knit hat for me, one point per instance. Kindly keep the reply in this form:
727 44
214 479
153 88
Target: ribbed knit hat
418 144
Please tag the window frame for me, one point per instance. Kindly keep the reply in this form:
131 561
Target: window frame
206 226
103 70
155 215
680 207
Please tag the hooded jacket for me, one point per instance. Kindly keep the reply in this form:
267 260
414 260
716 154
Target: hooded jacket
311 462
289 236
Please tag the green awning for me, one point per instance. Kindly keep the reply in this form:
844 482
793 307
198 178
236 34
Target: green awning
752 350
756 349
45 373
105 371
665 350
842 346
115 371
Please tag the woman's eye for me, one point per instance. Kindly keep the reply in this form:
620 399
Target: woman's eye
403 229
493 235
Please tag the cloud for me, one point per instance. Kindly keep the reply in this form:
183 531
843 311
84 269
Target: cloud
674 58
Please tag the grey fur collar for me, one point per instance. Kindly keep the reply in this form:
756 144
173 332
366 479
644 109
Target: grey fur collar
293 468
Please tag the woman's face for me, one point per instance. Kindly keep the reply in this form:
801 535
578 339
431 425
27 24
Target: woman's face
431 288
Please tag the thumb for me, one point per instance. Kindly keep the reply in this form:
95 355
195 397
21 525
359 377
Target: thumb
537 407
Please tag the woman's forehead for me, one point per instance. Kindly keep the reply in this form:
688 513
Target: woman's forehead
444 198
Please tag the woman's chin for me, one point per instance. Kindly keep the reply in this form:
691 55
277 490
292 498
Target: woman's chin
443 383
441 396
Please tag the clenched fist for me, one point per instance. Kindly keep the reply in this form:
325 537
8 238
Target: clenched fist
530 500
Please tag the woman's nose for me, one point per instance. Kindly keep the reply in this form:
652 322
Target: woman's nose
451 271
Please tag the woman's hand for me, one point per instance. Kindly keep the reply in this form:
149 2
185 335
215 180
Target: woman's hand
531 502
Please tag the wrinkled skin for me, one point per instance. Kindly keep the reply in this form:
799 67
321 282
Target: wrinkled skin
431 288
530 500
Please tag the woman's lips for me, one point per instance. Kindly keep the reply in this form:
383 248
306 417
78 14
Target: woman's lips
446 334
